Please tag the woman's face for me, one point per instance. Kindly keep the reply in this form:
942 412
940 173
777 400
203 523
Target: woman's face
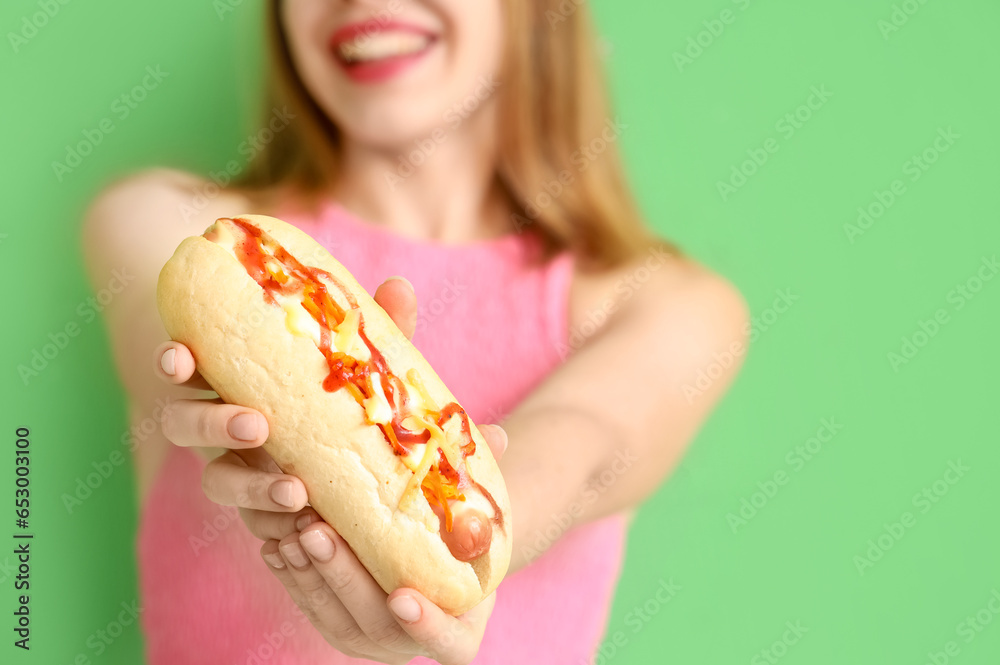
388 72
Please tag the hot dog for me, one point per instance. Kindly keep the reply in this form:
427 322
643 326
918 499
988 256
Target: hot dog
389 458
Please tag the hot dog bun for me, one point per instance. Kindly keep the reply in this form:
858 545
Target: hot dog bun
259 345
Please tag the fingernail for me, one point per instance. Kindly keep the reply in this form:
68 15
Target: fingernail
244 427
503 434
303 521
274 560
402 279
405 608
167 361
281 493
295 555
318 544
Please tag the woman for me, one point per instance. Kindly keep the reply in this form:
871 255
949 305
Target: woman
468 147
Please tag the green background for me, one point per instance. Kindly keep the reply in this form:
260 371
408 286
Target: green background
824 357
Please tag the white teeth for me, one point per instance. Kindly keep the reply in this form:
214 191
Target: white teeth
365 48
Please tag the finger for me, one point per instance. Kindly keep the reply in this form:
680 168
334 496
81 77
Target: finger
330 605
198 422
336 564
269 525
449 640
397 298
229 482
496 438
173 363
258 458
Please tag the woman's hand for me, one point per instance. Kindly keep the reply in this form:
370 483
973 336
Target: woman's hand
319 570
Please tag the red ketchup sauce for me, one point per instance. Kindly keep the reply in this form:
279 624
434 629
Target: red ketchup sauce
443 483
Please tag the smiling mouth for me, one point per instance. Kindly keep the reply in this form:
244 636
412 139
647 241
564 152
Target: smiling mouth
382 46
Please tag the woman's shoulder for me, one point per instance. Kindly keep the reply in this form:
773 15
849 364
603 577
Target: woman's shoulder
163 196
661 295
141 218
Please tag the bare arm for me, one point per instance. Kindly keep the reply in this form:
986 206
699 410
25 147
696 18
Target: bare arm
134 227
604 429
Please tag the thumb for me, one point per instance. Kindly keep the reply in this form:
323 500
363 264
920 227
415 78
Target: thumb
496 438
448 639
395 295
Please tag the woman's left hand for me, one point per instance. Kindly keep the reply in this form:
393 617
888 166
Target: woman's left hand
335 591
348 607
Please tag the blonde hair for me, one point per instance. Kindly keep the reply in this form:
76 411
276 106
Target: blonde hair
561 172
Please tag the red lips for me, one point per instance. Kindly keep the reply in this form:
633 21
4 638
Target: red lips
382 69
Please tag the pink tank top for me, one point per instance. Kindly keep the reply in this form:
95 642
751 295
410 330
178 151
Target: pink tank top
489 322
